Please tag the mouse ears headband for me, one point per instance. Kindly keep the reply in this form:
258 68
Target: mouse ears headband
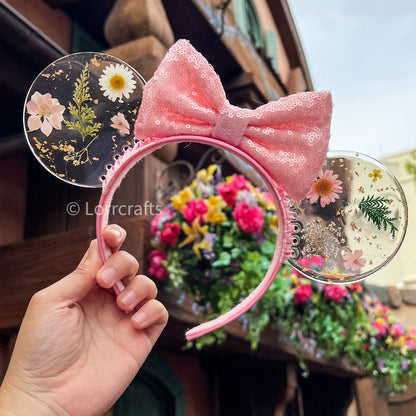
341 216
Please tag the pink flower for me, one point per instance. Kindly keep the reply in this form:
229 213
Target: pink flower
240 182
228 193
169 236
353 261
45 113
410 343
228 190
250 220
326 186
335 292
157 222
355 287
395 330
381 327
193 209
303 293
157 269
120 123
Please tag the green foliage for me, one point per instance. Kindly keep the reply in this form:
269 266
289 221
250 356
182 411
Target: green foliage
84 115
340 322
375 209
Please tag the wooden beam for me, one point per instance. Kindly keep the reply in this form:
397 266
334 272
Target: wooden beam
34 264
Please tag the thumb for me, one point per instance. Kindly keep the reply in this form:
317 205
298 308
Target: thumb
76 285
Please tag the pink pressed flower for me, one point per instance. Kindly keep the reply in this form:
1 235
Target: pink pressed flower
45 113
120 123
335 292
195 208
303 293
157 269
353 261
327 186
250 220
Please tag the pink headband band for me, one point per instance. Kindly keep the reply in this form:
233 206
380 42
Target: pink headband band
285 141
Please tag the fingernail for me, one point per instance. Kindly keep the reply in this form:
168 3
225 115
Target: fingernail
116 233
128 297
140 318
109 275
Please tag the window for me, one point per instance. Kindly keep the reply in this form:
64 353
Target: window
248 21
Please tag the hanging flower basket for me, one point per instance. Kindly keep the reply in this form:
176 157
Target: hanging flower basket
215 241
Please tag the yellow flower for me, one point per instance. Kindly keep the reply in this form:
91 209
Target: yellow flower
375 175
263 201
196 235
215 214
205 175
275 221
179 201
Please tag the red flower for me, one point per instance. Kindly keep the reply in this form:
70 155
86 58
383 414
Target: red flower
356 287
228 193
170 234
228 190
250 220
303 293
335 292
157 269
193 209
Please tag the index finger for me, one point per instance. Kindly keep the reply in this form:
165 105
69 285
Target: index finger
114 236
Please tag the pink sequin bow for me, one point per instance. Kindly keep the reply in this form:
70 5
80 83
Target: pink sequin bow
288 137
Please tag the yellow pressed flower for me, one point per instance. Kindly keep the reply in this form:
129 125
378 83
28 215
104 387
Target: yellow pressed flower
205 175
375 175
196 235
179 201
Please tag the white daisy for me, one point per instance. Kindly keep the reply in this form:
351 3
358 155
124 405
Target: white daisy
117 81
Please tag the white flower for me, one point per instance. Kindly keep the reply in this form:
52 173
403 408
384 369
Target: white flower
117 81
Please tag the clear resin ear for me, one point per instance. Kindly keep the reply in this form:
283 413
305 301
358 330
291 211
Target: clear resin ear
352 221
79 115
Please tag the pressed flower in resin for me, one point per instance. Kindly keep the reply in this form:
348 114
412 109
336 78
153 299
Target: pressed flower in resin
327 187
45 113
117 81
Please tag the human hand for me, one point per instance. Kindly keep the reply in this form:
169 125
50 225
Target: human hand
78 349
